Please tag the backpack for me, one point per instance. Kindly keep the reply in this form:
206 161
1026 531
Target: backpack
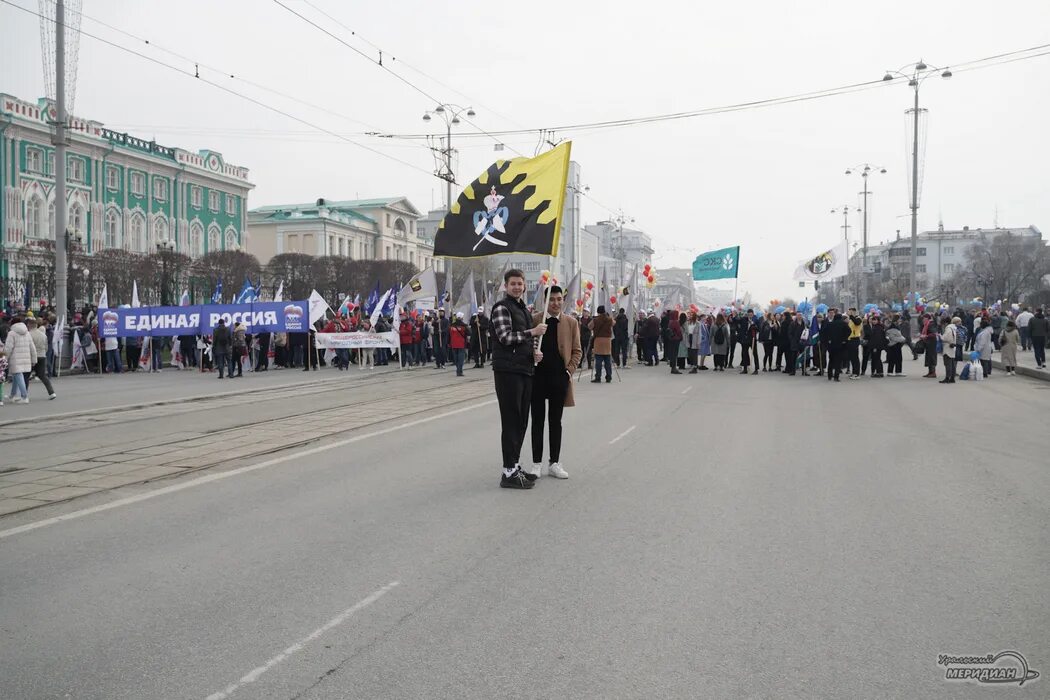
720 334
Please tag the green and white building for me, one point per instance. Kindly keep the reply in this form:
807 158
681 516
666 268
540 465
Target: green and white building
122 191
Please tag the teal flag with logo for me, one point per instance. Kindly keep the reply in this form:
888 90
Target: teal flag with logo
717 264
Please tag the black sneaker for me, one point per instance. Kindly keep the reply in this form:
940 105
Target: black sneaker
517 480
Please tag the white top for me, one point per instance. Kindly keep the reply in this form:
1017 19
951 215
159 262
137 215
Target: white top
1023 318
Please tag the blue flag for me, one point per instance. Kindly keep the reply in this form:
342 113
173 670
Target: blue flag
390 307
216 298
814 331
373 299
248 293
717 264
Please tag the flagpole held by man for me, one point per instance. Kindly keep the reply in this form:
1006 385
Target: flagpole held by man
515 206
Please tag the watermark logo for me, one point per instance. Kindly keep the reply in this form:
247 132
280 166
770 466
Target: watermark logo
1004 667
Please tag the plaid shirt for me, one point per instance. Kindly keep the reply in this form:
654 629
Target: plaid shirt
503 326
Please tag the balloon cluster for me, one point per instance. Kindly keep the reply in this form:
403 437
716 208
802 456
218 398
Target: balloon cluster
871 309
779 309
650 276
822 309
694 308
804 307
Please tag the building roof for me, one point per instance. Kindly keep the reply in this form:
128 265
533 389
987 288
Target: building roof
304 214
342 205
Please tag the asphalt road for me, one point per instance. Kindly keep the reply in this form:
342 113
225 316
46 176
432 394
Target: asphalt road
748 537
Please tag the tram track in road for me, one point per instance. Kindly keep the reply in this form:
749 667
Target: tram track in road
135 413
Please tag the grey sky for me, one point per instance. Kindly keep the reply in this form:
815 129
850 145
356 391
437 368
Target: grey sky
765 179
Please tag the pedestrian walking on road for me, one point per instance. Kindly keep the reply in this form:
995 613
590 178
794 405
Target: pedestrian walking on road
40 366
1008 343
1038 330
21 359
459 339
552 383
514 359
601 340
673 341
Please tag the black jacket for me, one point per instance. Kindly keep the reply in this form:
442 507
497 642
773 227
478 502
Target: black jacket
620 327
877 337
795 336
220 339
836 332
517 357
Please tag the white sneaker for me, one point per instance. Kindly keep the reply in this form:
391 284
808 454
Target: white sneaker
556 471
52 396
536 470
901 374
17 399
25 400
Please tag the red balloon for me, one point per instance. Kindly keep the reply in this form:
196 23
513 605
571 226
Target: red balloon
612 299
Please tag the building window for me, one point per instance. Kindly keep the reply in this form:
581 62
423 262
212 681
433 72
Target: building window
35 218
112 178
51 219
160 229
160 189
949 268
196 240
195 196
399 226
388 219
51 163
34 160
412 257
138 184
231 205
291 243
530 267
388 253
213 201
76 219
137 233
213 238
919 252
920 268
75 169
111 228
231 239
949 250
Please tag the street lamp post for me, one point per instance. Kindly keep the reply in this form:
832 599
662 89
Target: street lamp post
865 170
70 240
845 211
165 247
450 114
620 219
918 73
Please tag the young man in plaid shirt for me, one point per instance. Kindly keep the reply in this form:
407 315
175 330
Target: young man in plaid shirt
514 359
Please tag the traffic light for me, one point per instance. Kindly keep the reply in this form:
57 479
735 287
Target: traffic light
816 285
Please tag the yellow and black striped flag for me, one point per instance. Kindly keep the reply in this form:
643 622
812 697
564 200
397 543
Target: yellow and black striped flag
513 207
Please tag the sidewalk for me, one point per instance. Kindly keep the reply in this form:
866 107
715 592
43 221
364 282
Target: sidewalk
1025 365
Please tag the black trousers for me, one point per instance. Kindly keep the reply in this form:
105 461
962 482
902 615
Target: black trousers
876 361
792 360
548 393
835 362
895 359
853 356
671 353
767 354
514 395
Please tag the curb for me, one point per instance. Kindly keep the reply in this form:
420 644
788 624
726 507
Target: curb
1024 371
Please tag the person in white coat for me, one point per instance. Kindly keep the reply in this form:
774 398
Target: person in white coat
21 358
983 345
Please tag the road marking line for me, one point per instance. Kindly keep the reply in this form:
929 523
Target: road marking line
686 390
339 619
233 472
615 439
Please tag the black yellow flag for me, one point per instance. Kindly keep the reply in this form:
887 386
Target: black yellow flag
513 207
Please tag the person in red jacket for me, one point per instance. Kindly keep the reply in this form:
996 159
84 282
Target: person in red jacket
457 342
417 342
405 333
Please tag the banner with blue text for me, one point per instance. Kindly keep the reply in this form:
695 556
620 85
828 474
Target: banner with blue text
268 316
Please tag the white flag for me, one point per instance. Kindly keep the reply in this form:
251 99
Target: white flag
378 311
59 337
134 295
103 301
468 299
78 352
317 306
422 286
825 266
279 296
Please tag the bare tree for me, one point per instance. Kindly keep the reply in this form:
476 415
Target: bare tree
230 266
1004 267
297 271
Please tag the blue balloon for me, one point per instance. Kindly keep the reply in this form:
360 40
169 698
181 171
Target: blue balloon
896 307
822 308
780 309
804 307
